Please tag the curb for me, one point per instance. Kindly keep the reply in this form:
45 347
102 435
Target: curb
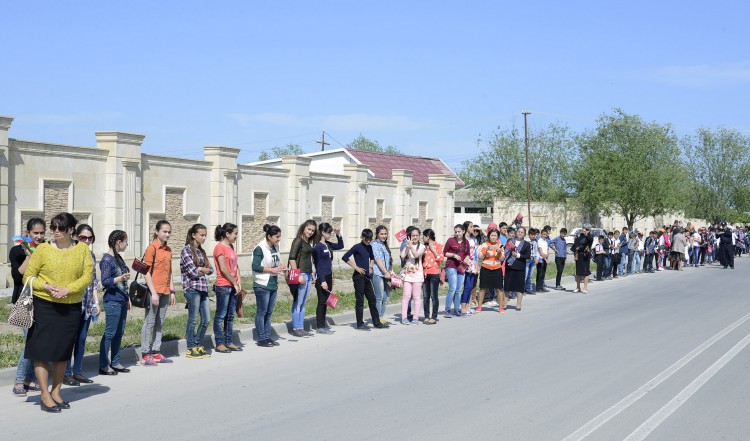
130 356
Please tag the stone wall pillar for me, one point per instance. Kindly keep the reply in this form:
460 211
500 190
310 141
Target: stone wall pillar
402 206
356 203
223 185
123 187
443 217
298 183
5 236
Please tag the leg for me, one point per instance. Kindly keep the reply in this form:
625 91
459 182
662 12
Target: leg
229 320
452 276
269 313
205 316
262 297
41 369
426 297
58 372
222 302
320 308
359 296
80 349
405 299
457 296
370 296
378 283
119 332
519 300
159 325
148 328
586 283
481 297
433 287
417 290
192 297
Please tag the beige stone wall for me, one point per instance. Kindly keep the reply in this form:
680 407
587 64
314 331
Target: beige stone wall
116 186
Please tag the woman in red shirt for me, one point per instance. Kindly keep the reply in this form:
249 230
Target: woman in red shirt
492 255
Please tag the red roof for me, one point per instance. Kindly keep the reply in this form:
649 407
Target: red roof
383 164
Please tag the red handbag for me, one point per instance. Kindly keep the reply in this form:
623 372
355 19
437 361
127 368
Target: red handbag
293 277
332 300
396 282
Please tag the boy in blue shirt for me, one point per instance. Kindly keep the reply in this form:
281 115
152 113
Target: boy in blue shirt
362 279
560 246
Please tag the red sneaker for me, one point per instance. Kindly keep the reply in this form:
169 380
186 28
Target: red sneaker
479 309
161 359
148 360
502 310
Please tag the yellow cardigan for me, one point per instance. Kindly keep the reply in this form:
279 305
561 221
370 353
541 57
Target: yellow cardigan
71 268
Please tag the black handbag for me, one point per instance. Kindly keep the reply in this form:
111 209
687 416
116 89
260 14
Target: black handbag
139 294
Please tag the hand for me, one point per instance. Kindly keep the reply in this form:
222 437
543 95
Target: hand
387 276
98 310
124 277
155 299
324 285
237 287
172 300
275 269
130 305
337 230
63 292
361 271
27 251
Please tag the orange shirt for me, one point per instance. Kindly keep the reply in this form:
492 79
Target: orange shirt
495 260
432 261
162 265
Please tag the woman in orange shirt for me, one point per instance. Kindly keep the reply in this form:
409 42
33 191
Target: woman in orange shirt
158 255
432 258
492 255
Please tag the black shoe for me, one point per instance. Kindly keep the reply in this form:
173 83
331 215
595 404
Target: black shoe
275 343
122 369
362 327
265 344
545 290
63 405
70 381
382 326
53 409
82 379
107 372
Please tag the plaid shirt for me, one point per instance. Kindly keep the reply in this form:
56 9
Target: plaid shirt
191 277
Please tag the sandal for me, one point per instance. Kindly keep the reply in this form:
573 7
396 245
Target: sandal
32 387
19 390
576 290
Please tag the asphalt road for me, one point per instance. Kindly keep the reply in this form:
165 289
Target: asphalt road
655 356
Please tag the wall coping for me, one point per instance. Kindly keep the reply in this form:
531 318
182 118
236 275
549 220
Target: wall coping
57 149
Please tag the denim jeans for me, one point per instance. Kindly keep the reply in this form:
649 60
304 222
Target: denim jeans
265 301
197 302
455 289
430 294
623 262
300 300
382 289
152 325
638 258
631 260
468 287
607 265
117 313
226 303
696 255
530 265
25 368
79 349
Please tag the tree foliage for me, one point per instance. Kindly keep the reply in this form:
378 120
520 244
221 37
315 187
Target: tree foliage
500 168
630 167
719 164
278 152
362 143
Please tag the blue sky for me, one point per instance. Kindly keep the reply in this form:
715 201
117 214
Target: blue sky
427 77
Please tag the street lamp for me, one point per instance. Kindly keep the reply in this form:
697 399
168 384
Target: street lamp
526 113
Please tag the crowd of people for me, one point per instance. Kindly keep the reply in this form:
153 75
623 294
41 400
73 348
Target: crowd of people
483 268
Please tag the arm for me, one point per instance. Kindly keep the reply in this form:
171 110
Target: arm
80 284
339 245
257 263
347 258
437 252
379 262
296 244
189 268
417 252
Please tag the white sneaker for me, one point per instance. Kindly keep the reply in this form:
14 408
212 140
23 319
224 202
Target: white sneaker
405 321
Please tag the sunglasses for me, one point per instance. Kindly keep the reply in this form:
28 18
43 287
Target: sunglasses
57 228
84 238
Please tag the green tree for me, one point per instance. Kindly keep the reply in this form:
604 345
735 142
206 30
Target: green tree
719 164
630 167
362 143
278 152
499 170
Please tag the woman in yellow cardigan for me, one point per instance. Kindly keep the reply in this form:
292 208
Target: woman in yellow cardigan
62 271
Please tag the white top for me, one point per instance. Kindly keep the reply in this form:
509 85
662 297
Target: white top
543 248
696 239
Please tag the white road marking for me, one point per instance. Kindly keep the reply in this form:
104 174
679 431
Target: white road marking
588 428
662 414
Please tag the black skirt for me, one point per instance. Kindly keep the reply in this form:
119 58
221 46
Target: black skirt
583 266
490 279
53 334
515 280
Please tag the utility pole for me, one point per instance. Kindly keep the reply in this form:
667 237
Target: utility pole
526 113
323 142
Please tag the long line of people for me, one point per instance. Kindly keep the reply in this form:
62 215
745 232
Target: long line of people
500 261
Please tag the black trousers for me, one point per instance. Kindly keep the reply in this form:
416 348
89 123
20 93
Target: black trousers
727 252
541 273
599 266
615 263
430 295
322 308
363 289
560 264
648 262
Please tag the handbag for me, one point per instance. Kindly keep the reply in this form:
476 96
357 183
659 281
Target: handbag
293 276
240 298
139 293
22 313
332 300
396 281
140 266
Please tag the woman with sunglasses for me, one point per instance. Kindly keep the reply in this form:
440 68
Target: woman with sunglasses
62 270
89 309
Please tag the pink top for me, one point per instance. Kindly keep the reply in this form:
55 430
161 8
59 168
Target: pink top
230 257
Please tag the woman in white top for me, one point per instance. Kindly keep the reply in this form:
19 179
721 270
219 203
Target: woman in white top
413 276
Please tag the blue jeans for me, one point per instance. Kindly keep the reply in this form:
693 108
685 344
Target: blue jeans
530 265
300 300
623 263
696 255
80 348
382 289
607 265
265 301
197 302
25 368
455 289
468 286
117 314
637 259
226 303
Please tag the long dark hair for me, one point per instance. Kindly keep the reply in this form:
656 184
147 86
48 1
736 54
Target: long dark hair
114 237
191 242
378 229
86 227
301 230
36 221
221 231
